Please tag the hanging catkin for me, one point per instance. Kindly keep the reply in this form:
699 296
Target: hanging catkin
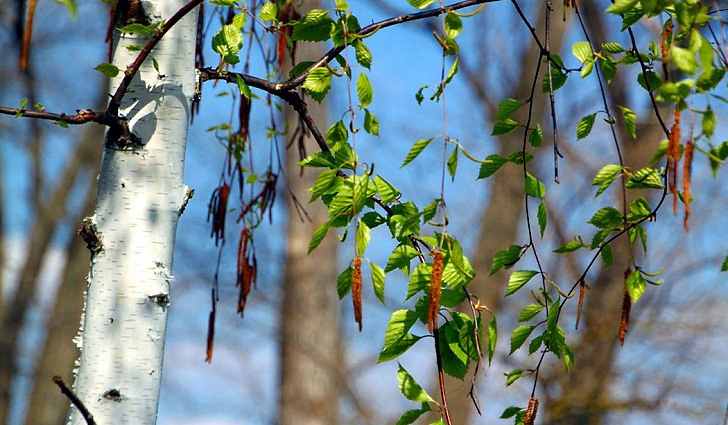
435 289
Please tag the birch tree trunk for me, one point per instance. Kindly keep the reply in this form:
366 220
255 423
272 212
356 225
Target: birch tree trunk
140 197
310 337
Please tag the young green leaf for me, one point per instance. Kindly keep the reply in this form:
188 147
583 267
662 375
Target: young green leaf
519 336
518 279
492 339
108 70
542 217
605 176
529 311
570 246
378 280
630 121
415 150
397 338
315 26
318 83
343 282
534 187
409 388
584 127
513 376
364 90
506 258
490 165
636 286
269 11
363 55
420 4
371 123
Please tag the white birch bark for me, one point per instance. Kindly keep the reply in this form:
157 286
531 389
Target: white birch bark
140 197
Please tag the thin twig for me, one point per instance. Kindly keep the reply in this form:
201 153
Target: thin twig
75 400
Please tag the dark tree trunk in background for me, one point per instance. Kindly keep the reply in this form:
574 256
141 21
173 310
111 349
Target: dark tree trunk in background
309 327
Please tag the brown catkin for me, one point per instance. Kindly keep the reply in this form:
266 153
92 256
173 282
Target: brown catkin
624 320
687 175
673 157
435 289
580 304
530 417
356 290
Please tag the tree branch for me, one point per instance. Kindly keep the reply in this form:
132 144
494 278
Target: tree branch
75 400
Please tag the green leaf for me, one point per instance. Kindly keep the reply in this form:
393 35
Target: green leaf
452 163
371 123
724 266
448 78
378 280
343 282
138 29
636 286
397 338
570 246
529 311
535 138
511 411
420 4
645 178
363 55
684 59
542 217
490 165
318 83
409 388
108 70
364 90
229 40
323 183
400 258
709 122
534 187
507 107
519 336
630 121
337 133
243 88
269 11
557 79
492 339
582 50
453 25
513 376
419 280
315 26
415 150
70 6
504 126
363 235
387 192
606 218
454 362
518 279
584 127
621 6
612 47
409 417
605 176
506 258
